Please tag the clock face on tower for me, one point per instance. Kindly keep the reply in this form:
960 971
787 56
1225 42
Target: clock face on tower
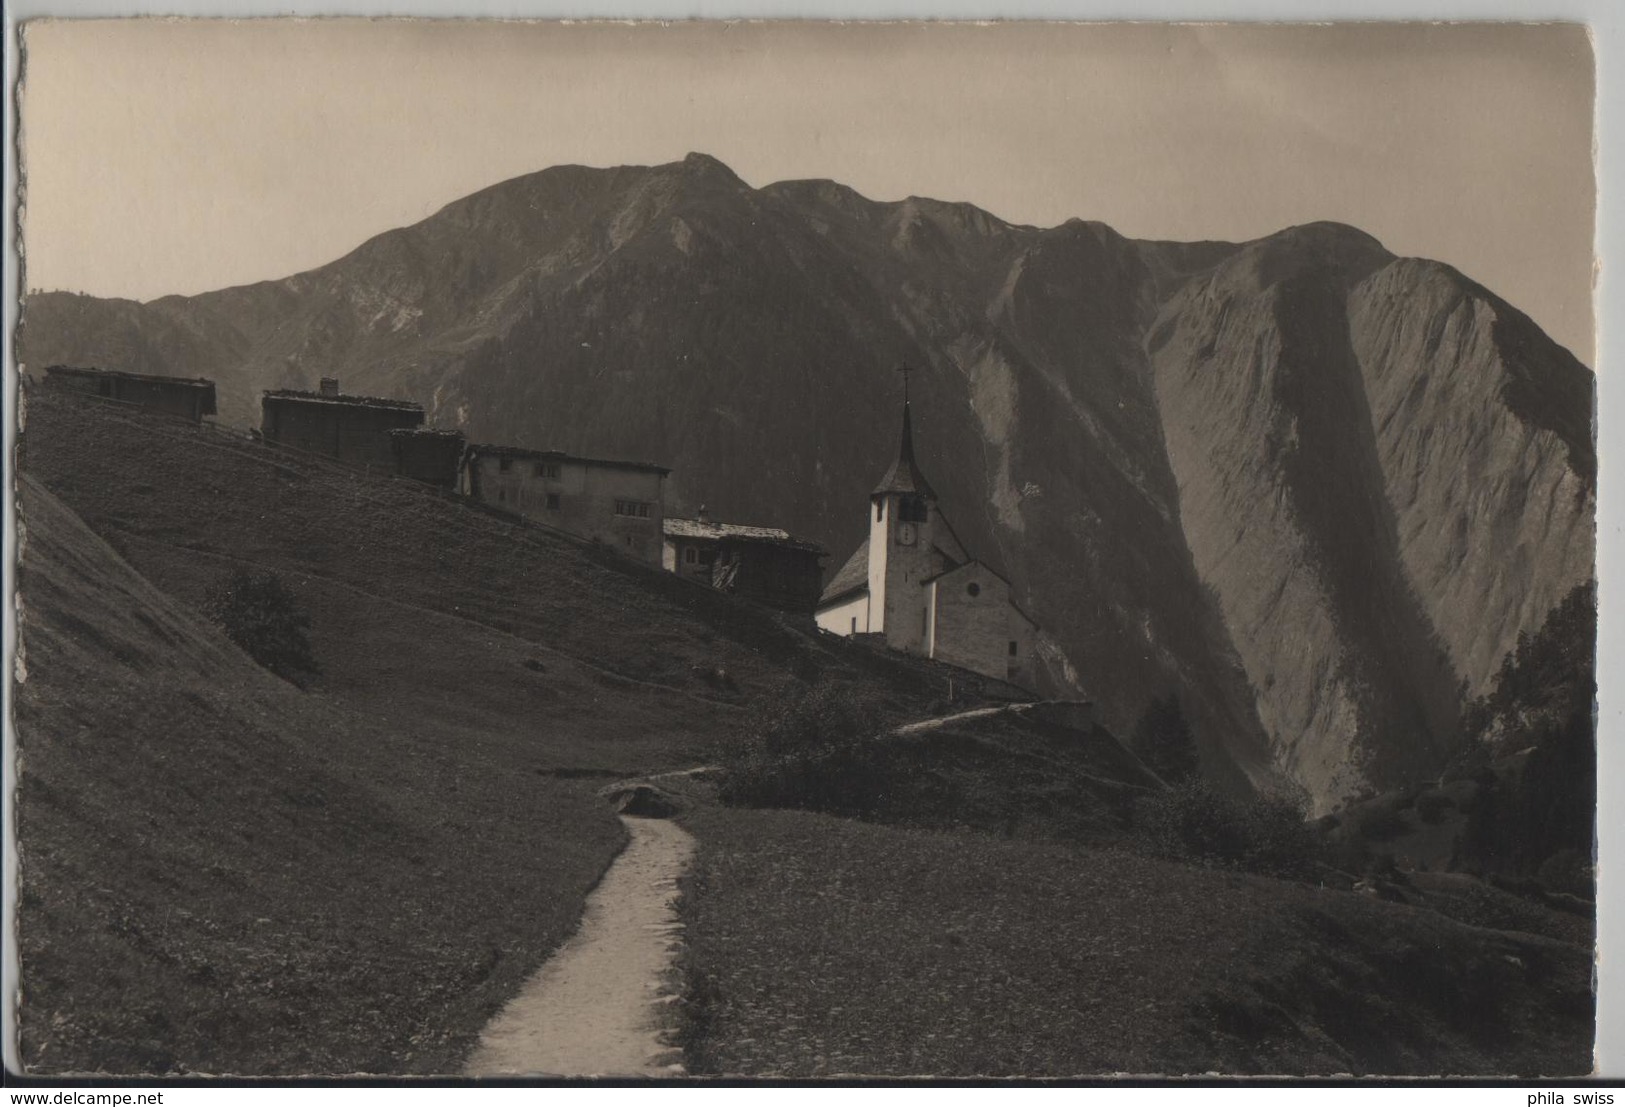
905 534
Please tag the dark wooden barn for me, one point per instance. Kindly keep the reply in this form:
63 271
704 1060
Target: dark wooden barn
429 455
189 397
764 564
351 429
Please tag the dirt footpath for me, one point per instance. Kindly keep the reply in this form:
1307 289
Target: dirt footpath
595 1008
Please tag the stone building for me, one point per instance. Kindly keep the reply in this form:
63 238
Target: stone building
351 429
427 454
619 503
913 582
764 564
189 397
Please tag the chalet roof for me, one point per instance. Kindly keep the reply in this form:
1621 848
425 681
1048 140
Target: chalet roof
851 578
296 395
904 474
426 432
147 378
705 530
559 455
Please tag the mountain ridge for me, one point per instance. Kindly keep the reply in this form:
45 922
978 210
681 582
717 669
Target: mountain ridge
1100 413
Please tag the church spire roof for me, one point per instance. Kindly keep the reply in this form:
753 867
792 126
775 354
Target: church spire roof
904 474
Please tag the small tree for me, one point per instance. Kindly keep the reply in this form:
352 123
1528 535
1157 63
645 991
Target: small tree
263 618
1163 740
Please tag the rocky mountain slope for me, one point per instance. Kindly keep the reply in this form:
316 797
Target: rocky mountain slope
1315 489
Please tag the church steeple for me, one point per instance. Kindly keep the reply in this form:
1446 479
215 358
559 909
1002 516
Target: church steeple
904 476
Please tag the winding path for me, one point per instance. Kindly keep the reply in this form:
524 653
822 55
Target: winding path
595 1008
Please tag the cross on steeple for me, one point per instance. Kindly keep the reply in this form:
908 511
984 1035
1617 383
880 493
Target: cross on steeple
905 369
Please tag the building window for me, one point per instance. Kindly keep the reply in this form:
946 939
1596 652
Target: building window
973 588
690 555
502 495
1013 650
504 464
880 511
854 624
913 509
552 501
632 509
548 469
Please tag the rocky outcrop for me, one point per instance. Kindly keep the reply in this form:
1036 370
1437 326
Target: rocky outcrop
1283 501
1483 429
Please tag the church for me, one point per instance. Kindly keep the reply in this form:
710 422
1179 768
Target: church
914 582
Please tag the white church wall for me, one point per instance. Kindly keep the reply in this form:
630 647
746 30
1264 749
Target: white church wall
879 547
848 617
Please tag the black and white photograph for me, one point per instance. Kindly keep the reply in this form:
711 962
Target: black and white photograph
804 551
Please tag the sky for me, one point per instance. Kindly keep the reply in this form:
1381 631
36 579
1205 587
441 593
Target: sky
180 156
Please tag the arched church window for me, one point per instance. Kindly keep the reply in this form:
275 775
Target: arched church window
913 509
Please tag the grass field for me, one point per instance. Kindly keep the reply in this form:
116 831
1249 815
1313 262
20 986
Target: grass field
821 946
223 873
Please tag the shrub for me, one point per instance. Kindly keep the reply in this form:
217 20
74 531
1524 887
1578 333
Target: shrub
1193 821
817 752
1431 806
1383 823
1568 870
263 618
1163 740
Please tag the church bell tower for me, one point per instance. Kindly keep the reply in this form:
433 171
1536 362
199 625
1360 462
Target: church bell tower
902 525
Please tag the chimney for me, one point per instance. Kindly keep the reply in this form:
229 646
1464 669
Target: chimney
330 386
703 515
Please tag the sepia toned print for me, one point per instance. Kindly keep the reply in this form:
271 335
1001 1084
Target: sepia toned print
805 550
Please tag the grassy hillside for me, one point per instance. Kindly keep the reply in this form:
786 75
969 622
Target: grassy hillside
428 612
1020 771
1013 776
224 873
820 946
